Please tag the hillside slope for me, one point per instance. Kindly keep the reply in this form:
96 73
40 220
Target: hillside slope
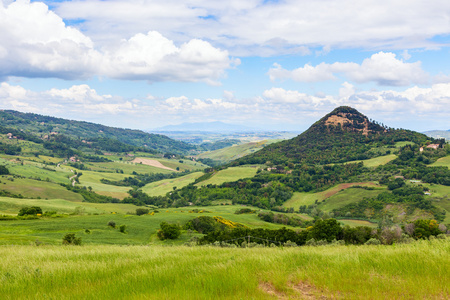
45 127
342 135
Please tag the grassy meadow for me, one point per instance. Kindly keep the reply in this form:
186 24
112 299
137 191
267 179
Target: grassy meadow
377 161
11 206
230 174
406 271
442 162
332 201
94 217
162 187
30 188
236 151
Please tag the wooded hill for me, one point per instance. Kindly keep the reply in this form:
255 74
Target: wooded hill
342 135
79 134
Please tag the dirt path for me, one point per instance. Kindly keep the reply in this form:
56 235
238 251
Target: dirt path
151 162
302 289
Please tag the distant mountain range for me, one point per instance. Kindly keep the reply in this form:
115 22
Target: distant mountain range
439 134
216 126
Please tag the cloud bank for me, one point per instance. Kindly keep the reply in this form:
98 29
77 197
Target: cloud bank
270 27
382 68
37 43
274 107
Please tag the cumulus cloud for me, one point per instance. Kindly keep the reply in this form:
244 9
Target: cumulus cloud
74 101
268 27
382 68
155 58
37 43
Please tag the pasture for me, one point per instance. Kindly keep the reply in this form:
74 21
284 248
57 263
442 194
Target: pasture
442 162
162 187
11 206
141 230
377 161
309 198
30 188
347 196
406 271
230 174
236 151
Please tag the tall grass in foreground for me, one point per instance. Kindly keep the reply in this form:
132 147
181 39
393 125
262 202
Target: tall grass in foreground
413 271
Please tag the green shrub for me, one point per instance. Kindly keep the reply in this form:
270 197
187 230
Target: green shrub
373 241
112 224
70 239
168 231
122 228
142 211
32 210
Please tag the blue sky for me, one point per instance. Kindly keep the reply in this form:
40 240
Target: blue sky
274 65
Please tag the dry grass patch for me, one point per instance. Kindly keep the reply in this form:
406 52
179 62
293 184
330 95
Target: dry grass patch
151 162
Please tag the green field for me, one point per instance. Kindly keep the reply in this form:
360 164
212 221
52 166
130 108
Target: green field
377 161
141 229
30 188
353 223
12 206
409 271
230 174
347 196
36 170
92 179
442 162
403 144
299 199
440 196
127 167
236 151
162 187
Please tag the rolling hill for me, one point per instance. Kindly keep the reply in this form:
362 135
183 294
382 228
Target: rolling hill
343 147
85 134
342 135
344 166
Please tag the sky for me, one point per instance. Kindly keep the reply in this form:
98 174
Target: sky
270 65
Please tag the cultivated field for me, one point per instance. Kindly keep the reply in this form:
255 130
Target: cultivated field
409 271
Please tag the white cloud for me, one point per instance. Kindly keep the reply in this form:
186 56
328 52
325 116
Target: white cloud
153 57
75 101
37 43
276 108
383 68
249 27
